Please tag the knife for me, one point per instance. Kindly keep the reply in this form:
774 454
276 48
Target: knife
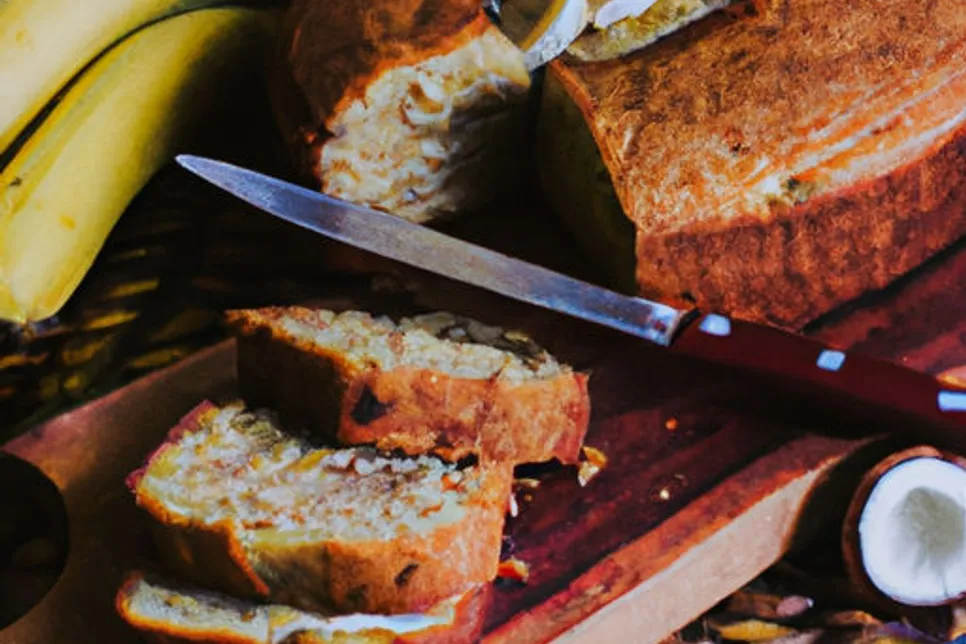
927 409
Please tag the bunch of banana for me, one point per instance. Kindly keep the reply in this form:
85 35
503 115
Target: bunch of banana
95 97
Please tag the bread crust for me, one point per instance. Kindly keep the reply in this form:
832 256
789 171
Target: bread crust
749 79
812 258
409 409
412 107
347 45
406 573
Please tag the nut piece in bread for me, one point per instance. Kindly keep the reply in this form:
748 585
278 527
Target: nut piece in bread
416 107
241 506
431 383
770 163
178 613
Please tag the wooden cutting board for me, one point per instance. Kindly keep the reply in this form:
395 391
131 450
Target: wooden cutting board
707 484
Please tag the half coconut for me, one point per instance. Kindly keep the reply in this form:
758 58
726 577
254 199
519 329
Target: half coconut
904 537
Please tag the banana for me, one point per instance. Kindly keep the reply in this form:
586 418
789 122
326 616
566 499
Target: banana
120 120
44 43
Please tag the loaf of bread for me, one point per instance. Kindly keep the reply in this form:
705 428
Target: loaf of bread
771 163
416 107
241 506
431 383
173 612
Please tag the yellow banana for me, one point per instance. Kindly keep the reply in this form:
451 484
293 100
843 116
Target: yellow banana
113 128
44 43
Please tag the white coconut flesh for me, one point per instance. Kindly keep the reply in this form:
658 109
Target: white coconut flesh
912 532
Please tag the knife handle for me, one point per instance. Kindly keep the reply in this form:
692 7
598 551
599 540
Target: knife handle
918 403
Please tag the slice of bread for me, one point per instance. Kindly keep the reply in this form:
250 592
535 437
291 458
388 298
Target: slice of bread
416 107
432 383
244 507
772 161
172 612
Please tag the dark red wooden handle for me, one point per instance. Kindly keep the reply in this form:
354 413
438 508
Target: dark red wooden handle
923 406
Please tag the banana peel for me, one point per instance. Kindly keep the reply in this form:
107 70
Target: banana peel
122 119
44 43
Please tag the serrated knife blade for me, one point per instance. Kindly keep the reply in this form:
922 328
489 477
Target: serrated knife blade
900 397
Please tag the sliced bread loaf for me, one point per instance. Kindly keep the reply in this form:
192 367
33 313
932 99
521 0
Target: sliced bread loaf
244 507
176 613
772 161
411 106
431 383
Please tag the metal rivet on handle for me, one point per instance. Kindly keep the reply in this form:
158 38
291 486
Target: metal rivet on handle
716 325
952 401
830 360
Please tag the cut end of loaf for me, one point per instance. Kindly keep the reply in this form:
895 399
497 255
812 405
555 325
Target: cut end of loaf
450 122
239 467
432 83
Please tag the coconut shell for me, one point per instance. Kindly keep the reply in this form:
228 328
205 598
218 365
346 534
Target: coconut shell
851 549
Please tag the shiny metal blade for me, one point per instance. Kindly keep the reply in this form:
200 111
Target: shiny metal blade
424 248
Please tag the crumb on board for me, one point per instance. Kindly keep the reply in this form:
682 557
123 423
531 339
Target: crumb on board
594 461
514 570
528 483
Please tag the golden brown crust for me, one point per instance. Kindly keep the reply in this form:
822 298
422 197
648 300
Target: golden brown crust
411 409
346 45
813 258
706 230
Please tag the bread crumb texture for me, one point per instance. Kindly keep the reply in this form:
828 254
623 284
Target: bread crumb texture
412 107
442 342
241 467
247 508
435 382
